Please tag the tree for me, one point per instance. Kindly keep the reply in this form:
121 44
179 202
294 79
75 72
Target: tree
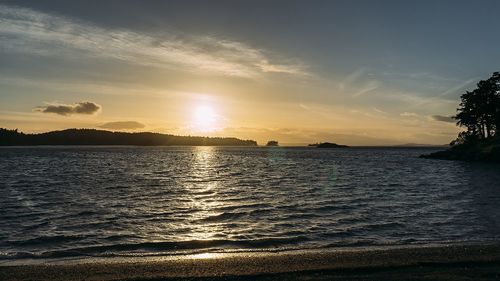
479 110
272 143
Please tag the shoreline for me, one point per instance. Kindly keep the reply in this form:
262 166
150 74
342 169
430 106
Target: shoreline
327 263
485 150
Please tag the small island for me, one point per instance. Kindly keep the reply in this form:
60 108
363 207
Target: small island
102 137
272 143
479 114
328 145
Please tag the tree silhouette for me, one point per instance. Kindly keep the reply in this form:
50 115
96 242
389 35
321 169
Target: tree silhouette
101 137
479 111
272 143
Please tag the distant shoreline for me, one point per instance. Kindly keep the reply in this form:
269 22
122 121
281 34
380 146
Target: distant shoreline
487 150
239 146
93 137
101 137
364 263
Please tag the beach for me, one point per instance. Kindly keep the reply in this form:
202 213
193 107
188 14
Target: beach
443 262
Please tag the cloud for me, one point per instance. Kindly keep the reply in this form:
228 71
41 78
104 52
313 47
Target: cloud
370 86
442 118
408 114
29 31
290 69
122 125
458 87
452 90
349 79
379 111
85 108
303 106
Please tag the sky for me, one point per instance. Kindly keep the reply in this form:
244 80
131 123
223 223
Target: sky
351 72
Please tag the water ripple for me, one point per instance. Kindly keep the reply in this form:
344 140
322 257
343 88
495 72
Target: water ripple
105 201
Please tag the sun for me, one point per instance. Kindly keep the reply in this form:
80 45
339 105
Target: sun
204 119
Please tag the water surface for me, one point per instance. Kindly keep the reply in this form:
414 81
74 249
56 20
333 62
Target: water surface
119 201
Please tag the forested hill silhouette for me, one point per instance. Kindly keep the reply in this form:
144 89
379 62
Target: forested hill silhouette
101 137
479 113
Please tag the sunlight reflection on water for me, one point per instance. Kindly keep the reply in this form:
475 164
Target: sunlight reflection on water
63 201
203 193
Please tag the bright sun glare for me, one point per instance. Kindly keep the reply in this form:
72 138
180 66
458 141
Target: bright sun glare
204 119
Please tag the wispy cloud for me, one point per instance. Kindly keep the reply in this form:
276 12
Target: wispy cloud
29 31
122 125
296 69
88 86
368 87
349 79
303 106
458 87
85 108
380 111
421 76
451 90
408 114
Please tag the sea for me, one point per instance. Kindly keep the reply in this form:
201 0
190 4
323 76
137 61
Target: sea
116 201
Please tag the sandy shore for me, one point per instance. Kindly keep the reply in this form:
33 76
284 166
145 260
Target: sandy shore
454 262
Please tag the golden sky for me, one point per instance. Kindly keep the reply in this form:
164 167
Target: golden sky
327 79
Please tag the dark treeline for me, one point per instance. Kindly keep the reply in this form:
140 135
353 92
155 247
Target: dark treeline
101 137
479 111
479 114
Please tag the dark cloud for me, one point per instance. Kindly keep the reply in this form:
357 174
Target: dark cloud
122 125
87 108
442 118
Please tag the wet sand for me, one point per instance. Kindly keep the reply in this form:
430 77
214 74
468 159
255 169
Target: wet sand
453 262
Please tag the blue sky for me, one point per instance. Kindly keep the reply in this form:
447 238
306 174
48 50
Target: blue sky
360 72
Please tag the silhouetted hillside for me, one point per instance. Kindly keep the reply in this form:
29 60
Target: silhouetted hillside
101 137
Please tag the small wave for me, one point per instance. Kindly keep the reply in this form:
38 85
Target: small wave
149 248
329 208
223 217
300 216
37 225
44 240
203 192
384 225
245 206
84 213
121 237
117 187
